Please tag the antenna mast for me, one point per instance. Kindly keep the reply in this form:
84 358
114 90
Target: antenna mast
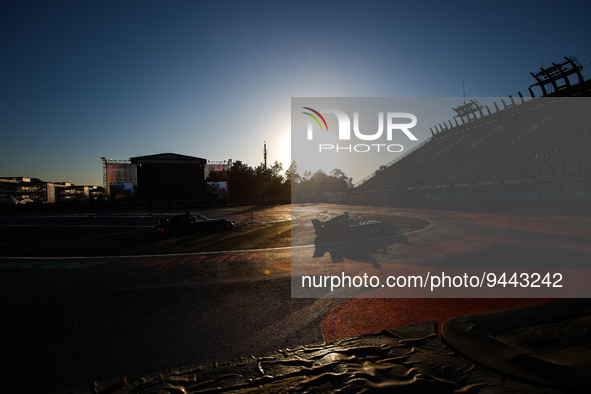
464 91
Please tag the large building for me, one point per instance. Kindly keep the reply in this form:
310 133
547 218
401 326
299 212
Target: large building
23 190
170 176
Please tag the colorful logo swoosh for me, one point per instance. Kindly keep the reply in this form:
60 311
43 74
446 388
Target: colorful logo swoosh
315 118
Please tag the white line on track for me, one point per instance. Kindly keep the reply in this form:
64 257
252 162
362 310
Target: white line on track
71 225
431 224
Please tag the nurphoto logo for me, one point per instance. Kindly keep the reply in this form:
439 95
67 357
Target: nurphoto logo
393 124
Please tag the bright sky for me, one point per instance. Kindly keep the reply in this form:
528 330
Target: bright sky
214 79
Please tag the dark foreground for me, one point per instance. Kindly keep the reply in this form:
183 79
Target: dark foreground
90 297
514 350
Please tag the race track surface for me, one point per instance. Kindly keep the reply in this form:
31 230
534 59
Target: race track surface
94 295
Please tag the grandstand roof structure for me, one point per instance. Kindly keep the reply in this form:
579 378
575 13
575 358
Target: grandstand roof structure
554 80
471 108
536 145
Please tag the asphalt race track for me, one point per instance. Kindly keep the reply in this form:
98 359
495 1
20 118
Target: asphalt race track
94 295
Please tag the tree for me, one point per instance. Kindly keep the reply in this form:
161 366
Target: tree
381 169
341 182
307 175
276 169
240 181
291 174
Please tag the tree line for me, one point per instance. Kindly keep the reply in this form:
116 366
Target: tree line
270 183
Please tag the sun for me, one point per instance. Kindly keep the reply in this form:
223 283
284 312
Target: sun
285 149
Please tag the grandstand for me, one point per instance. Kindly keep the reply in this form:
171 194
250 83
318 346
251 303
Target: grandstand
524 149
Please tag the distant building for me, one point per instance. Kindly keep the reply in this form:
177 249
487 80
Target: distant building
23 190
65 191
170 176
17 189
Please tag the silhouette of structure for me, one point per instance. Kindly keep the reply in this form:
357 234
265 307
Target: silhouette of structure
170 176
532 149
554 81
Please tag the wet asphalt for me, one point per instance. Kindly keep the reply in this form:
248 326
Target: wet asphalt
94 295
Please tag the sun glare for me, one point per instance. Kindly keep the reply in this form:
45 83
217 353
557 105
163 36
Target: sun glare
285 150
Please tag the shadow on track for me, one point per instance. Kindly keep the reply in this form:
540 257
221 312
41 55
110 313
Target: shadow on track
358 248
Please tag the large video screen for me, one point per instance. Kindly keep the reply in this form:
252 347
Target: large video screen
121 190
217 187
